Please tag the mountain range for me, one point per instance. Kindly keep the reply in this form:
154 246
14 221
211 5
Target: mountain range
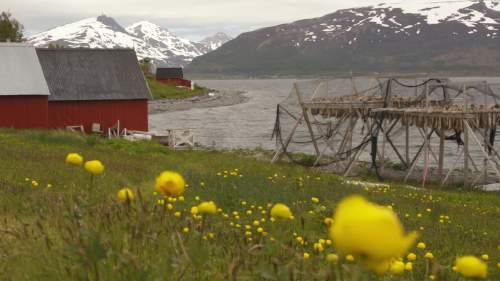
148 39
409 36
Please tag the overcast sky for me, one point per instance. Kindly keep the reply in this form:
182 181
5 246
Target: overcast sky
192 19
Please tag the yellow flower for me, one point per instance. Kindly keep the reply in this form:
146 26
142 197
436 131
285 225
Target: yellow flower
74 159
281 211
318 247
365 229
485 257
421 245
177 214
315 200
332 258
409 266
471 267
306 256
125 194
170 183
429 255
34 183
185 229
411 257
94 167
349 258
207 208
397 267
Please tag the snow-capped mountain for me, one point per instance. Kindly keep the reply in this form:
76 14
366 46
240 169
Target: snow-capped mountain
149 40
215 41
408 35
178 50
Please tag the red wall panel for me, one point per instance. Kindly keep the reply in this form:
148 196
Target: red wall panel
133 114
176 81
23 112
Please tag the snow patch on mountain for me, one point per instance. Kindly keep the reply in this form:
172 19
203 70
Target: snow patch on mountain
215 41
163 40
438 11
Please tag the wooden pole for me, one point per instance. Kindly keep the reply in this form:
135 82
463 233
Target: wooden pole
407 143
441 151
466 138
306 118
427 141
485 154
282 149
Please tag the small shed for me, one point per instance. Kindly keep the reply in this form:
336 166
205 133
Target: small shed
95 86
172 75
23 90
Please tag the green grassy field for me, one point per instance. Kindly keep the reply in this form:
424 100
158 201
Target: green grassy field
170 91
58 223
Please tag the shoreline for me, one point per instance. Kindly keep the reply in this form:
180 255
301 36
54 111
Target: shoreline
210 99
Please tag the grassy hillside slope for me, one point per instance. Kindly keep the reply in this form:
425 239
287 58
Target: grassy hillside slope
58 223
170 91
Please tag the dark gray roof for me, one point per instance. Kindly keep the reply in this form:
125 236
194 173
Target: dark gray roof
20 71
93 74
169 72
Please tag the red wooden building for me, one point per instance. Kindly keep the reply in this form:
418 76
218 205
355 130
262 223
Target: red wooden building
23 90
172 75
101 86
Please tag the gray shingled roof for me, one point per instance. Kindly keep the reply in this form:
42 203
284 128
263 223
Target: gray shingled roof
93 74
20 71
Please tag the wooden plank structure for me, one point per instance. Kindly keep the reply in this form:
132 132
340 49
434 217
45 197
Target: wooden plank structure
385 116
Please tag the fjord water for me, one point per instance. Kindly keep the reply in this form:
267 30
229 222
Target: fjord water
250 124
245 125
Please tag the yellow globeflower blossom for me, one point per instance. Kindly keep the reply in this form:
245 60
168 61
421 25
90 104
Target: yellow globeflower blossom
34 183
471 267
409 266
485 257
281 211
177 214
306 256
429 255
397 267
421 245
170 183
349 258
318 247
365 229
94 167
74 159
411 257
125 194
315 200
207 208
332 258
194 210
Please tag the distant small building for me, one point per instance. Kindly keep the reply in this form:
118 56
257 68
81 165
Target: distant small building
172 75
23 90
100 86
